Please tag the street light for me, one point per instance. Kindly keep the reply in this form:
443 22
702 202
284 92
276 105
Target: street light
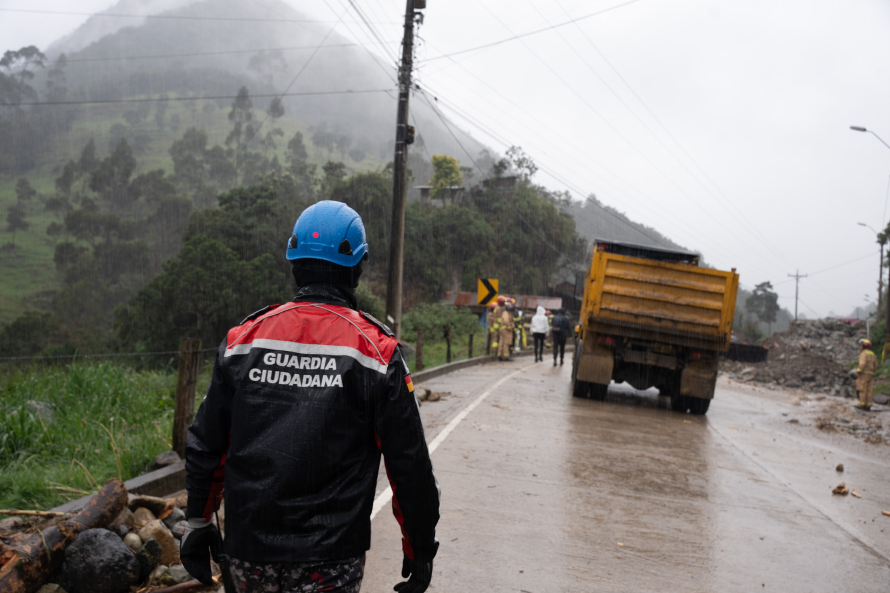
861 129
880 261
887 327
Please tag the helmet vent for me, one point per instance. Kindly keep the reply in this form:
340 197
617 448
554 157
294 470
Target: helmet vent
345 247
292 244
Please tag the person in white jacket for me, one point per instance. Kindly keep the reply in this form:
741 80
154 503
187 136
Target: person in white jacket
539 329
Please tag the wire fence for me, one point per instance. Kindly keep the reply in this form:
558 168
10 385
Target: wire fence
100 355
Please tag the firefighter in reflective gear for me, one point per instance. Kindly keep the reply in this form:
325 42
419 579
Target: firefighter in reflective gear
865 374
494 323
505 332
519 338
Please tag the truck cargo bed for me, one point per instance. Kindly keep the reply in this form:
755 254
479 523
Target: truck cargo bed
673 302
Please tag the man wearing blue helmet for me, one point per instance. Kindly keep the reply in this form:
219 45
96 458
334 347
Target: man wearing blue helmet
304 399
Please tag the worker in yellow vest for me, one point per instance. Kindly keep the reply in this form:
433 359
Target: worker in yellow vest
865 374
494 323
505 331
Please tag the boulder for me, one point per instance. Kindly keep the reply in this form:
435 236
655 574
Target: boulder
124 519
164 459
149 557
175 517
179 573
99 562
169 546
881 398
51 588
157 574
160 507
133 541
143 516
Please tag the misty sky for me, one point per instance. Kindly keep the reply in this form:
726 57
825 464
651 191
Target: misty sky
725 125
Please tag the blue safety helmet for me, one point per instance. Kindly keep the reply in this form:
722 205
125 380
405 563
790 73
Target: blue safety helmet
331 231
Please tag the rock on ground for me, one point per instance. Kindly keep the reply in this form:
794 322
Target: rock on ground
164 459
175 517
148 557
169 546
143 516
51 588
99 562
133 541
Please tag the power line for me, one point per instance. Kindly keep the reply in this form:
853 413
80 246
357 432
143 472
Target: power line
720 195
202 98
208 53
487 177
543 167
535 32
651 163
171 16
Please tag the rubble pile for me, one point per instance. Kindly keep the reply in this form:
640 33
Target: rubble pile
812 354
126 544
839 416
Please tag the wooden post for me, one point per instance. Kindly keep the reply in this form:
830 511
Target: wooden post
470 347
189 355
418 355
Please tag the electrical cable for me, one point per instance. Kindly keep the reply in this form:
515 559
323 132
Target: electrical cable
204 98
738 214
172 17
535 32
572 156
651 163
203 54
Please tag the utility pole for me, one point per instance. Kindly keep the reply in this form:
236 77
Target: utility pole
797 278
400 175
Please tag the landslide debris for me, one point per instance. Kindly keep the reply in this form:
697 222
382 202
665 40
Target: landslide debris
814 355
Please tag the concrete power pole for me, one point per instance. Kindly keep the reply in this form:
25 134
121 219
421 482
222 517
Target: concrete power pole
797 278
404 137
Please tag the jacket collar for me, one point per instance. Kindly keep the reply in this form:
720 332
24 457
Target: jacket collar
326 293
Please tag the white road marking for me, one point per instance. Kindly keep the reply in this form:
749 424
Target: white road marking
385 496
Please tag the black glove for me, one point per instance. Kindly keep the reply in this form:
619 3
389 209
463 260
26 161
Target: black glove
421 572
200 542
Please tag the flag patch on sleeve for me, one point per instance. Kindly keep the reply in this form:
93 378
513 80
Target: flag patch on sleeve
409 383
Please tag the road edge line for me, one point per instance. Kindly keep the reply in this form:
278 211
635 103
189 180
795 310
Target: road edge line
385 496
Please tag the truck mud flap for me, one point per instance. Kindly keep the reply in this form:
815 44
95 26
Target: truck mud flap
699 379
596 364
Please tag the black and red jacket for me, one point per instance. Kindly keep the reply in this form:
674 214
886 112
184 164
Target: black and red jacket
303 400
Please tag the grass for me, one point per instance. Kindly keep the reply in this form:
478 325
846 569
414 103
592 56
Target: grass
65 430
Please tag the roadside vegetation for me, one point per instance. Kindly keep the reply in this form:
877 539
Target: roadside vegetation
64 430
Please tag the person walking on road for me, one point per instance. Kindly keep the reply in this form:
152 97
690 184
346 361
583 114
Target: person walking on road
539 329
505 333
560 333
303 401
865 374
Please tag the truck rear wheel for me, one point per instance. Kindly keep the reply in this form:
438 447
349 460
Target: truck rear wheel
580 388
598 391
695 405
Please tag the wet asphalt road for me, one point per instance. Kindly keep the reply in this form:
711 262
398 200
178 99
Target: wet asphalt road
544 492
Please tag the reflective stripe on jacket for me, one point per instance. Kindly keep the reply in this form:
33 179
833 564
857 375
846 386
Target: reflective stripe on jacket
303 400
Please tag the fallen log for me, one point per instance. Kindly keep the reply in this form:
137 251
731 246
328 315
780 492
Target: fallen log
28 559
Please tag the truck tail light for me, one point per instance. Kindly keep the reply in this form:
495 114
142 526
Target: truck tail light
696 356
608 341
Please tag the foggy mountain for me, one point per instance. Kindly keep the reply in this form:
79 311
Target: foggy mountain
594 221
270 48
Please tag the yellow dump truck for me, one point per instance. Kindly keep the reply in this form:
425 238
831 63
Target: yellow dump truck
653 318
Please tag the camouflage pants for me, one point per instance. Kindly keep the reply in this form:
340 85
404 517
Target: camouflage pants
344 576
